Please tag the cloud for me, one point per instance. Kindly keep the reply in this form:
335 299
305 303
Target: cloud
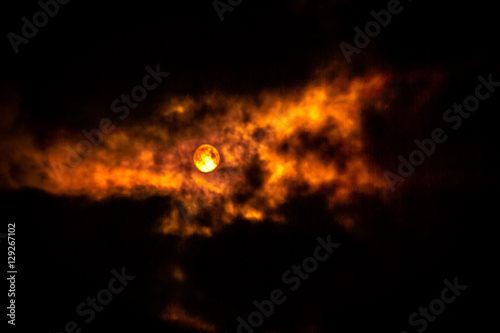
270 144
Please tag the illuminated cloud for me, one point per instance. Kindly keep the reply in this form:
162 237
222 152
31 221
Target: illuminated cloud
270 145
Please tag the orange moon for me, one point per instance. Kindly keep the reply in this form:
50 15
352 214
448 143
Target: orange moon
206 158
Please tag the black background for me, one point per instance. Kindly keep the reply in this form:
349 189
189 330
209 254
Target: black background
67 246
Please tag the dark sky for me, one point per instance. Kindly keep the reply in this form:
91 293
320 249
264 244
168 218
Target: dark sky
437 225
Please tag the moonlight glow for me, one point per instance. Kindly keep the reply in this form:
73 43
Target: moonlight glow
206 158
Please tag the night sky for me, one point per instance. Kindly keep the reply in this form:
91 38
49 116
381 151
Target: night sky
306 139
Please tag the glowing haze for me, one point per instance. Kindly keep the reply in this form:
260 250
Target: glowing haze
269 145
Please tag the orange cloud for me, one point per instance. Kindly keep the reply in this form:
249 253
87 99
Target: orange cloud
309 137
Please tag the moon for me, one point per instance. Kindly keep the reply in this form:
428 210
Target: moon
206 158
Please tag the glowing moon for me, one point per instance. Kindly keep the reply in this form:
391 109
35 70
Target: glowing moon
206 158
